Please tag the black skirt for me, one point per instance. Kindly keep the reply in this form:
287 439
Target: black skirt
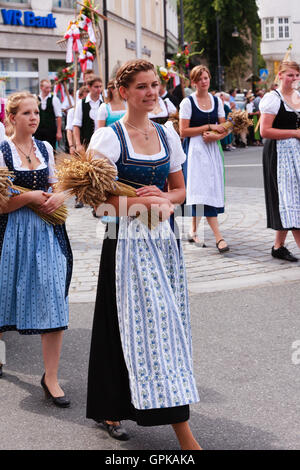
109 396
271 186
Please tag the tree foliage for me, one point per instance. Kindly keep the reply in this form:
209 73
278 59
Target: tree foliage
200 19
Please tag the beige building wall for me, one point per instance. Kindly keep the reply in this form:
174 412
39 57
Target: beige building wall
122 33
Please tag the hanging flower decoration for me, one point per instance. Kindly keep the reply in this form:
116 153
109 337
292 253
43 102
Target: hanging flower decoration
85 10
63 75
72 37
163 74
181 60
86 24
87 57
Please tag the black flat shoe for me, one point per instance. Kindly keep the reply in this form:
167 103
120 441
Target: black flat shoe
283 253
1 371
115 431
61 402
222 250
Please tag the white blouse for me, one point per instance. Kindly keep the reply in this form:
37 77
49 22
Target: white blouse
2 132
270 103
18 162
185 110
106 142
167 108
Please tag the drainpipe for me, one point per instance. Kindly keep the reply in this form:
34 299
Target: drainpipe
106 52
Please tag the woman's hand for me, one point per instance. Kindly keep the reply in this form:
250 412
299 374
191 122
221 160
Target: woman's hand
38 198
53 202
297 135
218 128
209 137
162 206
149 191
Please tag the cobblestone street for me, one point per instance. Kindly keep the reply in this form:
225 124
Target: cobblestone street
248 263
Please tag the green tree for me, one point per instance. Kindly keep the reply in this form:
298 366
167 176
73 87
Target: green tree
200 19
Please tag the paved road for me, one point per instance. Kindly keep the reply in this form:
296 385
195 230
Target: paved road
245 321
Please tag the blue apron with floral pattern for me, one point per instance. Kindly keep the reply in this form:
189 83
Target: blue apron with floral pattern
152 297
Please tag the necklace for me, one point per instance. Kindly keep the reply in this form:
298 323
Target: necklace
201 104
24 153
145 133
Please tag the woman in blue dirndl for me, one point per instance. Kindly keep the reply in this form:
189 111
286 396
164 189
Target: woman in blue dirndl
141 352
199 114
35 257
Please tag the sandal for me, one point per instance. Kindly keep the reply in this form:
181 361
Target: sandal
191 239
222 250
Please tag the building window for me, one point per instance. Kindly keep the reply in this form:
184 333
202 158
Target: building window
269 28
283 28
276 28
20 74
68 4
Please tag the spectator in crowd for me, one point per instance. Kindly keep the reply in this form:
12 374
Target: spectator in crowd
50 127
113 108
85 116
70 145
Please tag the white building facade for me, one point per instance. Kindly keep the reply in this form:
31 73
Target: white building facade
280 25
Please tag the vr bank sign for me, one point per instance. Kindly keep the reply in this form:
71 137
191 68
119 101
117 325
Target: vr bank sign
27 18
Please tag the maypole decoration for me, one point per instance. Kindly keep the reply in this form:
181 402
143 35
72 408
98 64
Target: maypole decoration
89 18
163 74
181 62
74 44
85 28
62 78
87 57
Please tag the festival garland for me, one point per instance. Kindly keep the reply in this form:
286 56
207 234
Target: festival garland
163 74
181 60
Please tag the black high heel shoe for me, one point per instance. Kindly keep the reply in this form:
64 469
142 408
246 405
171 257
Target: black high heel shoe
61 402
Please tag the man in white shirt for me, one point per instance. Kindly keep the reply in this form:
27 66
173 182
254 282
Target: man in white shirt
50 115
85 117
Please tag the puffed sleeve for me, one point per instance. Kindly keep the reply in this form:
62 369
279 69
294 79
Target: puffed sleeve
102 112
51 164
221 111
106 142
185 109
177 155
270 103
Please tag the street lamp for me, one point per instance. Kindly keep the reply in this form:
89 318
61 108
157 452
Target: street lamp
235 33
219 53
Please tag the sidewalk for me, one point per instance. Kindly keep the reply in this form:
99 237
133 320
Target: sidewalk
247 264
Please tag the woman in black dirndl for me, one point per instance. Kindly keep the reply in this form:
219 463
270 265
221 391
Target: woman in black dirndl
280 126
140 364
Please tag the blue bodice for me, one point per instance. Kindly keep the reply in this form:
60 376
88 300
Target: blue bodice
201 118
136 172
30 179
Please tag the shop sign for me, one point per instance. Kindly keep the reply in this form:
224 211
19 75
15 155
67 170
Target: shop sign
27 18
132 46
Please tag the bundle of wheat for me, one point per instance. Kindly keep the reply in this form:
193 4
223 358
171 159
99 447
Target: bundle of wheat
90 177
8 189
237 122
